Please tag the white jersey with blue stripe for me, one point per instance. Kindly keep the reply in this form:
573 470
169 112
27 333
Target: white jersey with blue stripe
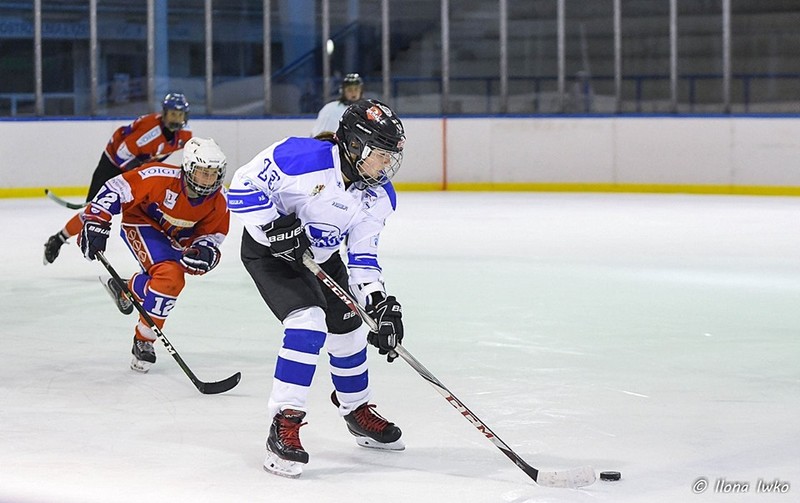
303 175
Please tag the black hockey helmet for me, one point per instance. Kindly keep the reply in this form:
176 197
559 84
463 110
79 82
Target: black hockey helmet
351 80
369 127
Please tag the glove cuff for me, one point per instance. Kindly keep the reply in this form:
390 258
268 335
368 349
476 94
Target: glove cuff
370 293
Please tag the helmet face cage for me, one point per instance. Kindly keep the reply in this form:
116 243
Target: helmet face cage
175 101
370 128
390 160
203 154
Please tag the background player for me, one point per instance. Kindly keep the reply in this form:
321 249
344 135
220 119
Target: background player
352 90
173 220
151 137
301 194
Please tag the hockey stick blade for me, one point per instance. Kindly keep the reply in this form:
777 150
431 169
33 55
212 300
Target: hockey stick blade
213 388
62 202
206 388
572 478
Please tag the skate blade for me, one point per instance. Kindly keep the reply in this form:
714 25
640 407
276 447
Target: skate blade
282 467
140 366
397 445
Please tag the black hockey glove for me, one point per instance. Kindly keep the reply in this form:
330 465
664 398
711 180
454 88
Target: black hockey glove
287 239
200 258
388 314
93 237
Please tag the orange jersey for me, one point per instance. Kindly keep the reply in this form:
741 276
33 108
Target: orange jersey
144 140
155 194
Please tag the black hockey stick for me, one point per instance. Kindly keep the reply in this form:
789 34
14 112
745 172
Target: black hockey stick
207 388
572 478
62 202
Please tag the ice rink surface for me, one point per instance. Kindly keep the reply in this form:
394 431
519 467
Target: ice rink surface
656 335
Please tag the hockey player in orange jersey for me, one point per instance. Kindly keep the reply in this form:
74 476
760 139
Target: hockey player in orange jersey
151 137
173 221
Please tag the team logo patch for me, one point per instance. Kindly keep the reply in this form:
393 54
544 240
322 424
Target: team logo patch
319 188
369 198
170 199
324 235
374 113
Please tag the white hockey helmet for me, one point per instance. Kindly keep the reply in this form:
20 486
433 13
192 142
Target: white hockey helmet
203 158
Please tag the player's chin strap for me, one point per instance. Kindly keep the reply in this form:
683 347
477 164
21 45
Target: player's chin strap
207 388
575 477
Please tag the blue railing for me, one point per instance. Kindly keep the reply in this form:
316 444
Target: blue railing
491 87
742 82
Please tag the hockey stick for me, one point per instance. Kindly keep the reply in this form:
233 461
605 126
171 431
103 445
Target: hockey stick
572 478
207 388
62 202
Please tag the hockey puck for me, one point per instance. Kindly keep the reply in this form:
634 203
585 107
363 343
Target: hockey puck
610 475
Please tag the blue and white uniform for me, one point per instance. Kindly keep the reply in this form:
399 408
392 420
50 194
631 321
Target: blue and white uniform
303 175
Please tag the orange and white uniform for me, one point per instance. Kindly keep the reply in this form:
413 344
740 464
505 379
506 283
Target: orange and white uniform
159 221
144 140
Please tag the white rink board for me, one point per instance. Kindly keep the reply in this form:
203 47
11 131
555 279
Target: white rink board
618 150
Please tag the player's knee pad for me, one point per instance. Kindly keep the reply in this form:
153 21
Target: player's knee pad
307 318
167 277
342 345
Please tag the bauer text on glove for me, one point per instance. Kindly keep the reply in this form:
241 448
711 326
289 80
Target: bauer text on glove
287 239
93 237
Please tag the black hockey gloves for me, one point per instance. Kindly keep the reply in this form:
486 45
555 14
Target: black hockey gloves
93 238
388 314
287 239
200 258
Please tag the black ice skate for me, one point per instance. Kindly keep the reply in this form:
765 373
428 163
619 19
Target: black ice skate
144 355
52 247
371 429
122 301
285 453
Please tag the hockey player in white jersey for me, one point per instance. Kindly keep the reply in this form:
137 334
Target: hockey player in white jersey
327 121
307 194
